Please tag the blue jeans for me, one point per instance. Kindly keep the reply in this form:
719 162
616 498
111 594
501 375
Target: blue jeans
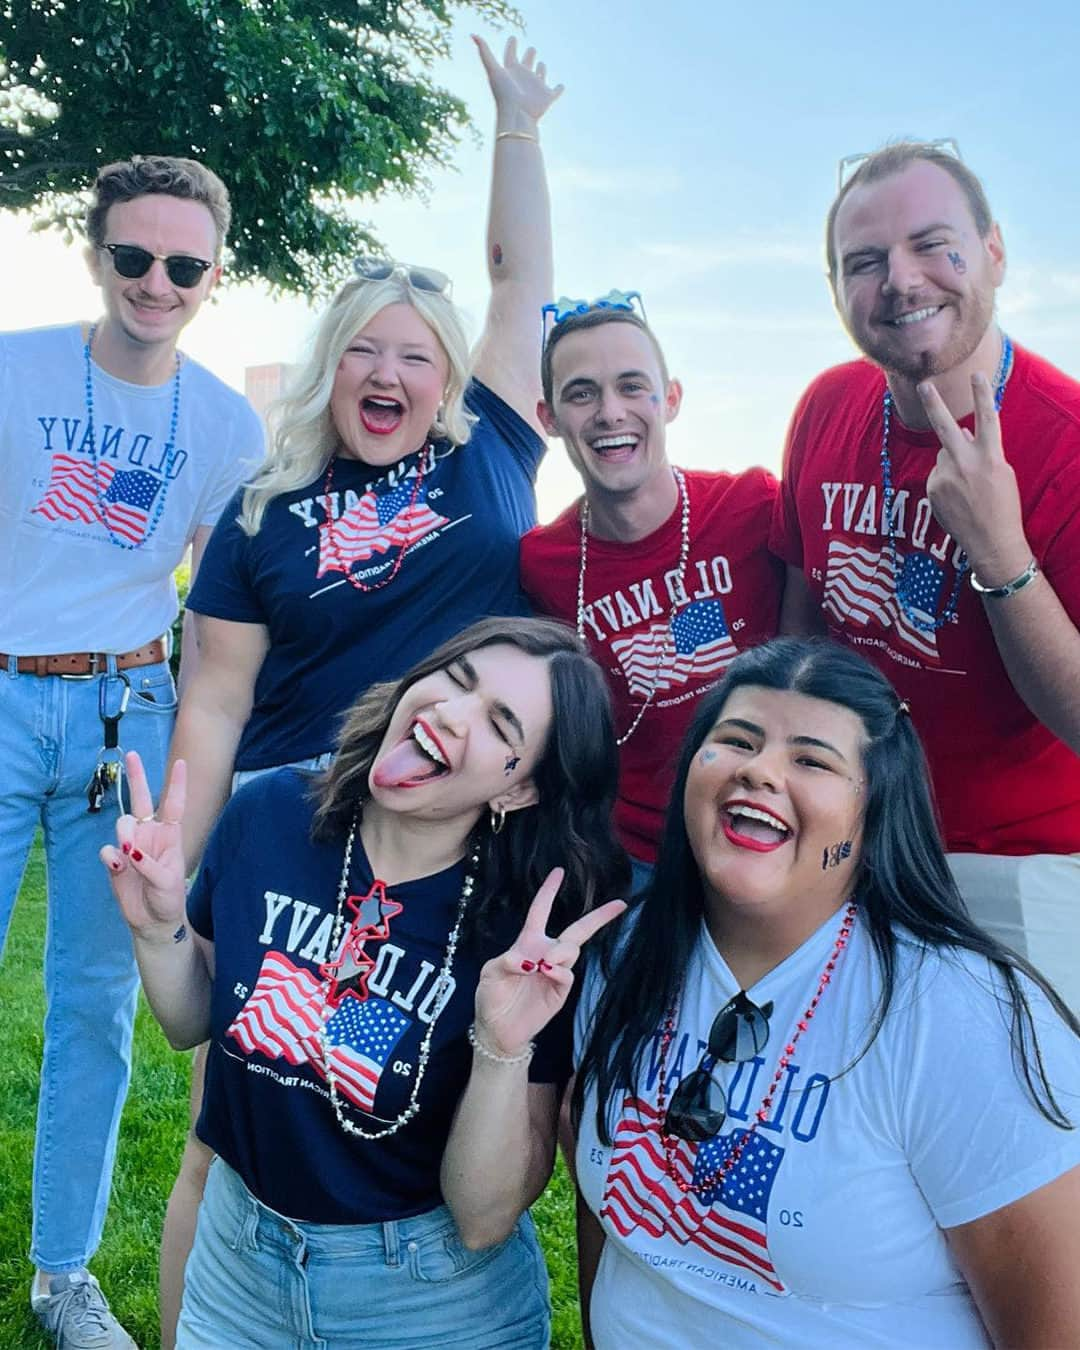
258 1281
50 738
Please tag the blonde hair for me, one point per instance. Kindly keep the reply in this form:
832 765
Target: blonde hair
303 436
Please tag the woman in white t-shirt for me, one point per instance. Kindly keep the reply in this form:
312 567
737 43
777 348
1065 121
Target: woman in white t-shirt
832 1111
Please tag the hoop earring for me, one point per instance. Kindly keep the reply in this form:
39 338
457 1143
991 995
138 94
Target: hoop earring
498 821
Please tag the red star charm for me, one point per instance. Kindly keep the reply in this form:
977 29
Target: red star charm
373 912
349 973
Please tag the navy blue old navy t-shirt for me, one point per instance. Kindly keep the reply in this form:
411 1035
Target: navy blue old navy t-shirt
328 640
266 896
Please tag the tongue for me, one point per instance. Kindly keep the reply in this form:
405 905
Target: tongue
406 763
380 416
757 830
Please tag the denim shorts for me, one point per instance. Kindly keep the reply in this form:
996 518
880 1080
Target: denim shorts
256 1280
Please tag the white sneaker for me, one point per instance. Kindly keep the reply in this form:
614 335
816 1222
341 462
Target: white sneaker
76 1313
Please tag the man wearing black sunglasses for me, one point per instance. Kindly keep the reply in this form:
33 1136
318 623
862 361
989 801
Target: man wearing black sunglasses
930 517
117 454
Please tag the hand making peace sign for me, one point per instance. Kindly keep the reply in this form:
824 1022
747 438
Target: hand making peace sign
522 990
972 486
146 865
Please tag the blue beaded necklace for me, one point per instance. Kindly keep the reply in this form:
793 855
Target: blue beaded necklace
1001 379
170 451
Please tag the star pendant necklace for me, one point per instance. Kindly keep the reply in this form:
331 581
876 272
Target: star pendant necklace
442 986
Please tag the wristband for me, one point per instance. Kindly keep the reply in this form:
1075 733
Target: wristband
1030 572
485 1053
517 136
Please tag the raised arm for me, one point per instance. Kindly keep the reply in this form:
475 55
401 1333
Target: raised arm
213 712
502 1146
146 868
507 356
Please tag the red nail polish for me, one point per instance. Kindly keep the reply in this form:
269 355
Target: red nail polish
115 866
528 967
136 856
125 848
544 965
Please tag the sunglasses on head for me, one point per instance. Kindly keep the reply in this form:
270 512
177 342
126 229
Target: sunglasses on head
133 262
850 165
698 1108
419 278
564 308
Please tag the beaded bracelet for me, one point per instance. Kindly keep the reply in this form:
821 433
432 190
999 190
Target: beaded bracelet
517 136
482 1050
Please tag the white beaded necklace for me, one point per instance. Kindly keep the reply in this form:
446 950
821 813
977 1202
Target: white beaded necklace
412 1108
677 590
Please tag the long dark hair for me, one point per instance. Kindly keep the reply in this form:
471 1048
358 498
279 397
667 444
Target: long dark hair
576 778
903 880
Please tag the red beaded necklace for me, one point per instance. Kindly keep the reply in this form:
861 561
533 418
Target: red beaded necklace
715 1179
332 543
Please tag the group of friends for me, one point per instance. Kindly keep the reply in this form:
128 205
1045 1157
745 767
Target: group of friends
799 761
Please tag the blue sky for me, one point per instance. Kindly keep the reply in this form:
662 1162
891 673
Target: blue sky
693 157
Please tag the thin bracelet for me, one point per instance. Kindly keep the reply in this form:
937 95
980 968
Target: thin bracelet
1030 572
517 136
483 1051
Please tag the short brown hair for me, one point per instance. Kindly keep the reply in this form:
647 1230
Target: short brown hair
165 174
894 158
593 318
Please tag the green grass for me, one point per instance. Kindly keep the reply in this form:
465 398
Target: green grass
151 1139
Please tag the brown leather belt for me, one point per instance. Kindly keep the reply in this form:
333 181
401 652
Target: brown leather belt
87 663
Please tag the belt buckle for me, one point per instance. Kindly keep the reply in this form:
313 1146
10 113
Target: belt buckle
91 674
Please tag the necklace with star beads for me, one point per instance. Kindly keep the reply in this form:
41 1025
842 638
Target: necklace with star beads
716 1179
442 986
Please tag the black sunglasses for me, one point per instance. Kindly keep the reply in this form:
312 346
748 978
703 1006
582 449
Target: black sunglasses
698 1108
132 262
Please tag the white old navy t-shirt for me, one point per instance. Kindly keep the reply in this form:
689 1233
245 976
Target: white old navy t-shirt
828 1232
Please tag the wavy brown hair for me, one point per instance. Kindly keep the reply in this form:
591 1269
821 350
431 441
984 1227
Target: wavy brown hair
576 776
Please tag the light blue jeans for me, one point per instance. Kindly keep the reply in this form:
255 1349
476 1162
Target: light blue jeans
50 738
256 1280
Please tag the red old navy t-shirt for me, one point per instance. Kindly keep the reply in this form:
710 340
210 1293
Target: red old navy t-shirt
1004 783
732 596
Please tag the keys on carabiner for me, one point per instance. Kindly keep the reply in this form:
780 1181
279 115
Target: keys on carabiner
113 694
112 707
104 777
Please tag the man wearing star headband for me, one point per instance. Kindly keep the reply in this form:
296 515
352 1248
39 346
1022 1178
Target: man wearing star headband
664 571
118 452
930 517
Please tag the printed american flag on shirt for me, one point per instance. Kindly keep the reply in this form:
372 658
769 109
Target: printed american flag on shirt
861 585
376 524
694 644
72 494
729 1222
281 1020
